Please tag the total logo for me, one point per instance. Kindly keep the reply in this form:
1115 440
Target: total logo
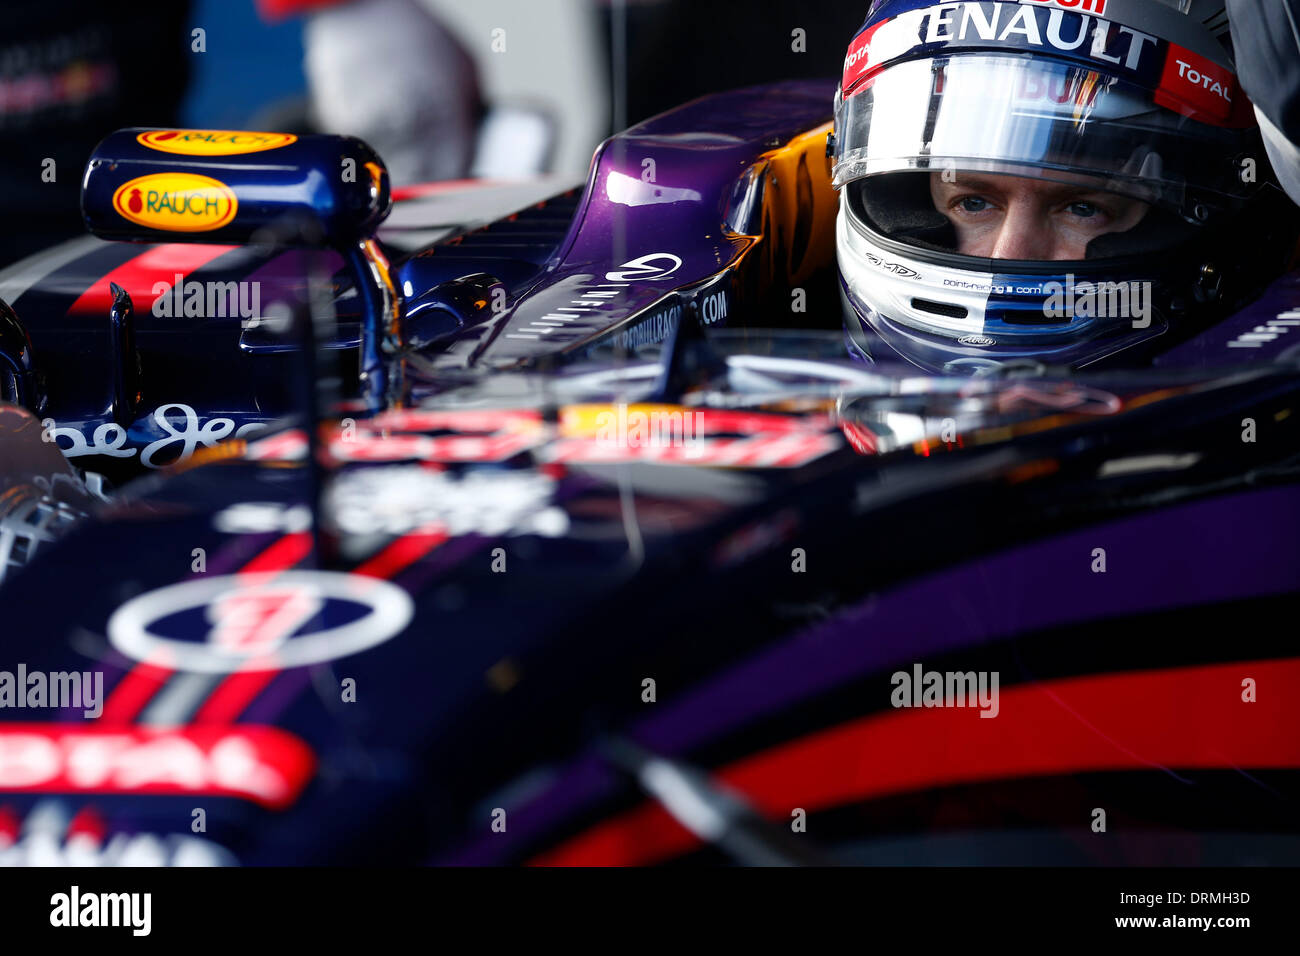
176 202
259 622
265 765
213 142
1220 86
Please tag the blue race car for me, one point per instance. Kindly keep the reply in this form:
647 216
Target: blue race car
582 536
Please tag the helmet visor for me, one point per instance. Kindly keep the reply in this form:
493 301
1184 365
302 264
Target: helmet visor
1030 116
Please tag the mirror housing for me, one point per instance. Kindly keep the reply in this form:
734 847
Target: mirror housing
219 186
179 185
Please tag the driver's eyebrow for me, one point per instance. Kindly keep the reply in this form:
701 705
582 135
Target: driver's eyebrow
989 187
970 182
1054 192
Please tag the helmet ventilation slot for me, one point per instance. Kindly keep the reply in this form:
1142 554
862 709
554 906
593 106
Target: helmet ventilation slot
940 308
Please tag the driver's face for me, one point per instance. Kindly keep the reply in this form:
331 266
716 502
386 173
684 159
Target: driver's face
1010 217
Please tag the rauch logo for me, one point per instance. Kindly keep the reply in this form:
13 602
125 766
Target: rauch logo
176 202
213 142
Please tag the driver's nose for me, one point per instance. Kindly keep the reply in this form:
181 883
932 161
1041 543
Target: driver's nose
1024 234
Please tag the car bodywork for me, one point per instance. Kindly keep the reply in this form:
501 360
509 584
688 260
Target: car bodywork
616 572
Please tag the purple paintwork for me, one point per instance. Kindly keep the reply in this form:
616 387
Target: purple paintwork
1267 330
639 252
1191 554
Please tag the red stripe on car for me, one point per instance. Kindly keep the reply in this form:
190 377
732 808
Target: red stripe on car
139 276
1184 718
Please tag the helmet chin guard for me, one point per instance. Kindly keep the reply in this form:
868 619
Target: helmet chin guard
951 319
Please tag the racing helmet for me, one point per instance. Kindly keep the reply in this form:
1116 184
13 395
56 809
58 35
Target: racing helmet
1121 120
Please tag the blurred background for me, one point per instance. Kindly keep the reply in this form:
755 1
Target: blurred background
443 89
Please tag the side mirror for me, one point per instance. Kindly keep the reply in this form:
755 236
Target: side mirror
176 185
192 185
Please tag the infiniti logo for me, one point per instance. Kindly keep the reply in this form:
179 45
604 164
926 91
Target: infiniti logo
649 268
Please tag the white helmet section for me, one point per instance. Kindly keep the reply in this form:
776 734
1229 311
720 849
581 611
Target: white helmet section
890 281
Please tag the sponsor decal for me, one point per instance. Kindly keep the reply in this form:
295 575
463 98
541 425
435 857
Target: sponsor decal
477 436
48 838
1260 335
719 438
259 622
1054 86
213 142
567 319
1084 6
654 328
647 425
751 451
262 764
594 421
1183 81
364 446
573 317
713 308
1193 85
861 59
261 517
176 202
979 341
978 286
1064 28
588 433
1023 27
178 443
648 268
403 498
894 267
856 60
410 498
632 191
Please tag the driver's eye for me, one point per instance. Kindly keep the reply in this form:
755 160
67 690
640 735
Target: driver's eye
1084 209
974 204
